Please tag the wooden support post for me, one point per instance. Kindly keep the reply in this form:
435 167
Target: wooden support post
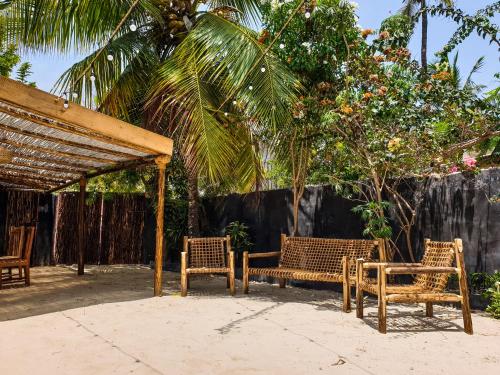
245 272
464 291
382 301
184 275
346 284
359 290
161 162
429 310
81 226
230 277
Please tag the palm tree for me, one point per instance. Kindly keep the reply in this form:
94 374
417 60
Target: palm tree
193 72
410 9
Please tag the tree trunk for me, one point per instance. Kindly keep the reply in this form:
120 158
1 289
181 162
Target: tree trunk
193 203
423 51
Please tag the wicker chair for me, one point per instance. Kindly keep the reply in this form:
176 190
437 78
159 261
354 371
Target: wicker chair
209 255
14 246
429 284
314 259
22 259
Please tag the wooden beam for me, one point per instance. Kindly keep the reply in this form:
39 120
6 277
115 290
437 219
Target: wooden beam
32 184
42 121
7 172
46 137
73 166
62 154
162 164
47 105
116 168
81 227
56 170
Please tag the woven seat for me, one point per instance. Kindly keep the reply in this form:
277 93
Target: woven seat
295 274
432 275
314 259
208 255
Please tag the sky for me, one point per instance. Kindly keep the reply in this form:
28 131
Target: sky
47 68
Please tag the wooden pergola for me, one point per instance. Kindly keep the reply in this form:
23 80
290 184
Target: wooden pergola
53 144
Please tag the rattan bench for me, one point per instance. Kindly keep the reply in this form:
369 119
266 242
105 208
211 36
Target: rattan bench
314 259
431 278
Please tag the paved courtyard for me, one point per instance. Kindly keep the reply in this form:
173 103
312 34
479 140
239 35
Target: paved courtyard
107 323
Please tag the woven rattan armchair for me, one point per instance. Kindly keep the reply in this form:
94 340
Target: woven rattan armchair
431 278
20 260
315 259
209 255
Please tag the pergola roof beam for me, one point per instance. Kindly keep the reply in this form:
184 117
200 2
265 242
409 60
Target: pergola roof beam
65 142
50 151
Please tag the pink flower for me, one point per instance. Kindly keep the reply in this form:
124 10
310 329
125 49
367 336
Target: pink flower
469 161
453 169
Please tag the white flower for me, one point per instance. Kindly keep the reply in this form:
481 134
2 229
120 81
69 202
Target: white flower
354 5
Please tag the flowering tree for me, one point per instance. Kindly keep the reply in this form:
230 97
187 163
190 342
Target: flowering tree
390 127
315 45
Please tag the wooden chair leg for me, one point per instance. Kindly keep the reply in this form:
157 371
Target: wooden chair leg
20 269
359 290
429 311
184 275
10 273
230 277
464 291
282 283
382 302
346 285
245 272
27 275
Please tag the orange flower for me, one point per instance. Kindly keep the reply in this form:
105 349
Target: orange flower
263 36
289 60
366 32
367 95
382 90
346 109
442 76
373 77
384 35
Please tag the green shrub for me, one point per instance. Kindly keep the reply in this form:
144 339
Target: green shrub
494 305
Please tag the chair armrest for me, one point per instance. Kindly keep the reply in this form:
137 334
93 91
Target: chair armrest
375 265
409 270
270 254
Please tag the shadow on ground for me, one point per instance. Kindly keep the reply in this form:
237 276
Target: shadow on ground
59 288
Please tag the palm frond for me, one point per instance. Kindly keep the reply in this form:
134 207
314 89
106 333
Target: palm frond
184 91
128 48
478 65
225 53
62 25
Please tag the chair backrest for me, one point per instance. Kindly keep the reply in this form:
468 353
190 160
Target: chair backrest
324 254
207 252
436 254
15 241
29 241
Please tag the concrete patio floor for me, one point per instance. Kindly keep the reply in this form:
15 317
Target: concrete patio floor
106 322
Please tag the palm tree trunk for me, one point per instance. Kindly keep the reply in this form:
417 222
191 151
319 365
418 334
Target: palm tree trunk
193 203
423 51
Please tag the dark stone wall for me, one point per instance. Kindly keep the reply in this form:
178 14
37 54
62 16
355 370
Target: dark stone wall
457 206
